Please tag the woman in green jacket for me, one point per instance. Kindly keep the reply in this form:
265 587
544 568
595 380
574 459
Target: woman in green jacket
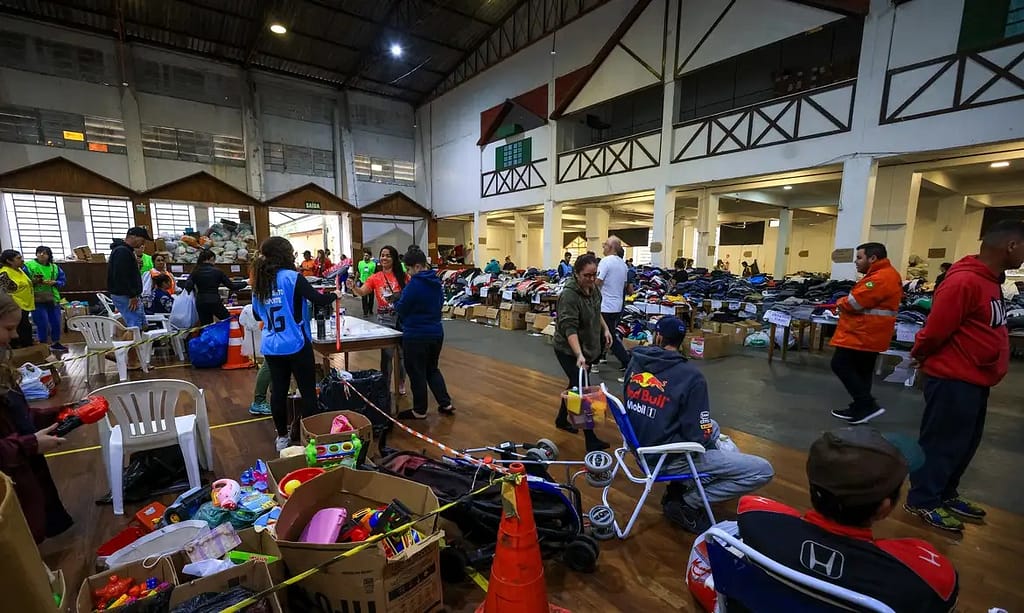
579 333
47 279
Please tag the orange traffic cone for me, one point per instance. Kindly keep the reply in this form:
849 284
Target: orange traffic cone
517 575
235 358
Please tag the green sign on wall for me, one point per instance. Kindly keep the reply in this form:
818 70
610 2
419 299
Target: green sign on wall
513 154
312 205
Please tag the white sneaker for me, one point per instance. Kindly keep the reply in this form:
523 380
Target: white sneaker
281 442
594 370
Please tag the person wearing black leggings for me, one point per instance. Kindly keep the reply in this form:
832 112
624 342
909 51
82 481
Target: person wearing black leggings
206 280
579 331
281 299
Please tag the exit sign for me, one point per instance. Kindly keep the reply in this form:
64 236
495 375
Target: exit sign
312 205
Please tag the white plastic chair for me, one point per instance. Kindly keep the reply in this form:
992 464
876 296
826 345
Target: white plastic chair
752 578
104 334
166 329
642 455
145 416
108 304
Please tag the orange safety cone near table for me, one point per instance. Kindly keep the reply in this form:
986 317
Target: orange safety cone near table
235 358
517 574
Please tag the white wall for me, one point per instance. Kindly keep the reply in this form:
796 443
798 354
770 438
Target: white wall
817 240
381 127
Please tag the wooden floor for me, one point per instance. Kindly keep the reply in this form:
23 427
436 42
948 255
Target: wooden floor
497 401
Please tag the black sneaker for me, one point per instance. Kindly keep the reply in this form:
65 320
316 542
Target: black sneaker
686 517
411 414
857 417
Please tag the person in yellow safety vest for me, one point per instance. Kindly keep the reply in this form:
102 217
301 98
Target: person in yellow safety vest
866 321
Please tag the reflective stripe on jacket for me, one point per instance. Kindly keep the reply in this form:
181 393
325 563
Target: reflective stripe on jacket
868 315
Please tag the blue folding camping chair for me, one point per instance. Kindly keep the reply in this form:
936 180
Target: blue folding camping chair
648 474
747 576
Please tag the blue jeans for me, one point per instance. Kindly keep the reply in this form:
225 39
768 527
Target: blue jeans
47 318
730 474
136 318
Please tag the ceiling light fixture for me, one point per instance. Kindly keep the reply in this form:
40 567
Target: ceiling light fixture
1002 164
787 187
396 50
277 28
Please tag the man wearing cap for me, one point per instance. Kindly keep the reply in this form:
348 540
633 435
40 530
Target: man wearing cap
124 281
666 401
855 476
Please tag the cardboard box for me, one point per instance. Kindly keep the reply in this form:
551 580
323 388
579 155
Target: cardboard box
708 346
23 576
407 583
529 319
98 258
491 315
476 312
736 333
712 326
541 321
319 427
251 575
446 311
459 313
83 253
163 570
512 320
264 548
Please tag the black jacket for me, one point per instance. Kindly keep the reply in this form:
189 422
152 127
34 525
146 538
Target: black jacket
666 398
124 277
206 280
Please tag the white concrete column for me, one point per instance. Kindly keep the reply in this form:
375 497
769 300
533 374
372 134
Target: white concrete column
678 241
948 224
970 232
663 229
597 228
346 237
252 138
894 214
782 243
552 233
689 239
856 201
480 239
707 231
344 156
521 247
133 139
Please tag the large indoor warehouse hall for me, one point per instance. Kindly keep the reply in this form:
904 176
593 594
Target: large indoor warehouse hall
512 306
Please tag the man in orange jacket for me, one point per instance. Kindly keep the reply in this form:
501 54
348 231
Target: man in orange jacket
866 321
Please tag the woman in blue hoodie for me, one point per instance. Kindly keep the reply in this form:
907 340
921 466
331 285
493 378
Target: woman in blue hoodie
419 309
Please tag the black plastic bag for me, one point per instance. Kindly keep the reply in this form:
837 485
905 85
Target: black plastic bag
335 396
211 602
152 472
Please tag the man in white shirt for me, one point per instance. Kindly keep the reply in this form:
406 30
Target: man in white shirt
611 278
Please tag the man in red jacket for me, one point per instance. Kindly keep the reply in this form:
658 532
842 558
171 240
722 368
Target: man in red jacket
867 318
964 349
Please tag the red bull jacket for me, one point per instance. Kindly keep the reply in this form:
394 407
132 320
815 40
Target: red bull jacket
666 398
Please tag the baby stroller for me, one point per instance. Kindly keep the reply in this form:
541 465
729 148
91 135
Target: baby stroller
556 511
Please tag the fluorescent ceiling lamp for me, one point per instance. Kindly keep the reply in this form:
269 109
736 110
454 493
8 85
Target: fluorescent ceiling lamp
773 223
396 50
787 187
376 167
1002 164
277 28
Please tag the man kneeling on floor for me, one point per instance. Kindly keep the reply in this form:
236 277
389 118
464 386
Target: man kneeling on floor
667 402
855 477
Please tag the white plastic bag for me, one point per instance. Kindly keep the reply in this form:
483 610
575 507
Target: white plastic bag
183 313
35 383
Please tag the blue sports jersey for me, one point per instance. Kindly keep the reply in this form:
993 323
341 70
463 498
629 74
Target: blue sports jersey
282 335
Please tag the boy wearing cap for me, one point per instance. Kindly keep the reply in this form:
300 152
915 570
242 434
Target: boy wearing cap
124 281
855 477
666 399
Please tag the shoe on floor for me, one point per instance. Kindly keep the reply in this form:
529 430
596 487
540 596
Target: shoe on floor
410 414
686 517
939 517
282 442
857 417
401 390
58 347
259 408
448 410
596 444
594 370
964 508
571 429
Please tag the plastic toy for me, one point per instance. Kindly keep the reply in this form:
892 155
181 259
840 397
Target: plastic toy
150 515
301 475
88 411
121 540
291 486
120 592
340 424
257 502
331 455
256 477
325 526
378 521
226 493
185 505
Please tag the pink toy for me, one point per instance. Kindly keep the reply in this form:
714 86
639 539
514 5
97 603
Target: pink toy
226 493
340 424
325 526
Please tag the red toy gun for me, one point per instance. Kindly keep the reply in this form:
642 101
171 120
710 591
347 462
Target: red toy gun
88 411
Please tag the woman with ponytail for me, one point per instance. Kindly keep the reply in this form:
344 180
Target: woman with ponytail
281 299
22 445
